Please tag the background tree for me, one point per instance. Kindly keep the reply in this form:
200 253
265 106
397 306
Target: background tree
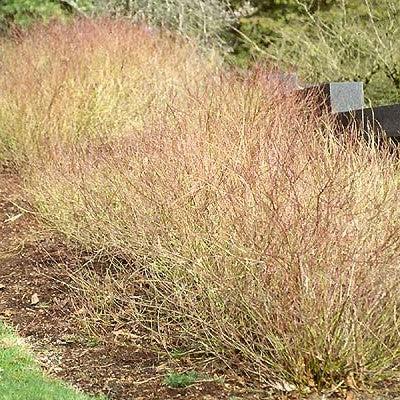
329 40
20 13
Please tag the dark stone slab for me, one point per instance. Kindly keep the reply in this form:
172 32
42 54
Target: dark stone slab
337 96
384 118
346 101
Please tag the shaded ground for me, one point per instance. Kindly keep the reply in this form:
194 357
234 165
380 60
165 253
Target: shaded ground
36 298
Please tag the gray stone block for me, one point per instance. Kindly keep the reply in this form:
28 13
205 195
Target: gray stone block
338 96
346 96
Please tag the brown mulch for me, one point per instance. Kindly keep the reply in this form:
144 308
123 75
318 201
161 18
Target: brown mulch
36 297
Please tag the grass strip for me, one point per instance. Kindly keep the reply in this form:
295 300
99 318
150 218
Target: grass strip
21 377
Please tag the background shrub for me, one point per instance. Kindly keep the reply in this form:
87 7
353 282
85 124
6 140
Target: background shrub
330 41
340 40
21 13
209 21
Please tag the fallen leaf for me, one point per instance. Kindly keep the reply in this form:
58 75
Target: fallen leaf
34 299
2 287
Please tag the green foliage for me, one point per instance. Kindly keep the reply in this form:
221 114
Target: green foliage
359 44
331 40
270 17
22 13
264 25
181 380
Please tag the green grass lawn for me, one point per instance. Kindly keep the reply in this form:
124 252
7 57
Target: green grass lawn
21 377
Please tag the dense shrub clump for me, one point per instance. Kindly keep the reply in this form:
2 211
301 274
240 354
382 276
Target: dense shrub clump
235 221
